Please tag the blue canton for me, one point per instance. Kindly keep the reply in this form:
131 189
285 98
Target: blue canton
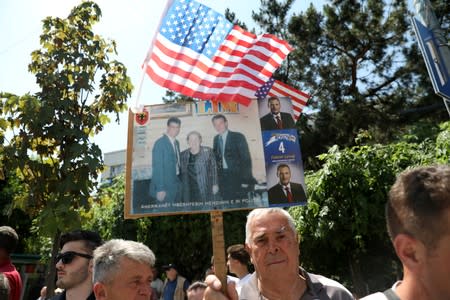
262 92
195 26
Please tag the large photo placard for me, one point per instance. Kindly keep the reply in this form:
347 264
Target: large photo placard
195 157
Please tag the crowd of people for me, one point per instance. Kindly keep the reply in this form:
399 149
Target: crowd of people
418 222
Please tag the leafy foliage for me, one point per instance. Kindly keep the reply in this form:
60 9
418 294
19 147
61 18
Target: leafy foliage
50 130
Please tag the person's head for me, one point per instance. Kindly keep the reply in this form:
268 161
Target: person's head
237 258
284 174
155 272
173 126
272 242
194 139
171 271
220 123
73 262
8 242
418 222
196 290
4 287
274 105
123 270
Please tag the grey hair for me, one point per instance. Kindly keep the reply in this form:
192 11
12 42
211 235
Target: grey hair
265 211
194 132
108 256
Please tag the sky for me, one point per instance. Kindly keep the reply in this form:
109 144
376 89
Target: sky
132 24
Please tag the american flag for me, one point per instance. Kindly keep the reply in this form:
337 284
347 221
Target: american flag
277 88
200 54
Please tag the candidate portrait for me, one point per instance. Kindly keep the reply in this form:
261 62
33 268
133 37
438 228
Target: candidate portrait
286 191
276 119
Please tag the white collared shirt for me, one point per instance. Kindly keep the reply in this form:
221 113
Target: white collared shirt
224 142
177 155
284 188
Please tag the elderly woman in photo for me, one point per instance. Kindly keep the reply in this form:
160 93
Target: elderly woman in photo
198 170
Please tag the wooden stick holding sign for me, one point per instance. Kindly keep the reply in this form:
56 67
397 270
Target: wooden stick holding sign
220 264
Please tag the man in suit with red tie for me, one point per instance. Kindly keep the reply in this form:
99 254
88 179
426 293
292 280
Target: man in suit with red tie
276 119
286 191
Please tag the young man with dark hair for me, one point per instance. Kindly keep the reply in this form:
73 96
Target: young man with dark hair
238 261
74 264
166 184
8 243
418 222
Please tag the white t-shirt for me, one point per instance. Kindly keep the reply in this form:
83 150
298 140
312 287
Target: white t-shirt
380 295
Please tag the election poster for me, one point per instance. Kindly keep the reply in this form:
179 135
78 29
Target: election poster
204 156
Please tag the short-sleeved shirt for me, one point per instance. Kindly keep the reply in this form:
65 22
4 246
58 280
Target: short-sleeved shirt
389 294
318 287
14 280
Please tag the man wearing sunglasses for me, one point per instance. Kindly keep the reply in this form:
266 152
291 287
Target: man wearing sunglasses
73 264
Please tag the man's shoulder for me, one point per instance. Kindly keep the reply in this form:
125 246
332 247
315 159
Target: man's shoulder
333 289
375 296
285 114
235 134
266 117
296 185
162 139
274 188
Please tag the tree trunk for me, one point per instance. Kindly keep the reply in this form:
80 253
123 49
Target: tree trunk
359 286
51 274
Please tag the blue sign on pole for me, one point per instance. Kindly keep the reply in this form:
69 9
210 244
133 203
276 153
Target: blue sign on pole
435 58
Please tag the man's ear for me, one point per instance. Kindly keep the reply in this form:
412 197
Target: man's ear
410 251
100 291
90 266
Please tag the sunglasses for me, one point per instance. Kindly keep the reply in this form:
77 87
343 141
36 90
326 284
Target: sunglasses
67 257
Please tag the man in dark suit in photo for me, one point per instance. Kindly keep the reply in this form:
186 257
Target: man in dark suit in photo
233 161
286 191
276 119
166 184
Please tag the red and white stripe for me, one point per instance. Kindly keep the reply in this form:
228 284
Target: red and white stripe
241 65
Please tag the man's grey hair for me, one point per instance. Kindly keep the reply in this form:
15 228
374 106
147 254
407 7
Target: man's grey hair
107 258
265 211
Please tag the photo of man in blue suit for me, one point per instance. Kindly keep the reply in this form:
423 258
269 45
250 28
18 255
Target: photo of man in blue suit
166 184
233 161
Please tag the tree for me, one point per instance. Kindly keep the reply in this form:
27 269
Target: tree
360 62
50 144
343 224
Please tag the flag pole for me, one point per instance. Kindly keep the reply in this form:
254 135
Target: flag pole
139 107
